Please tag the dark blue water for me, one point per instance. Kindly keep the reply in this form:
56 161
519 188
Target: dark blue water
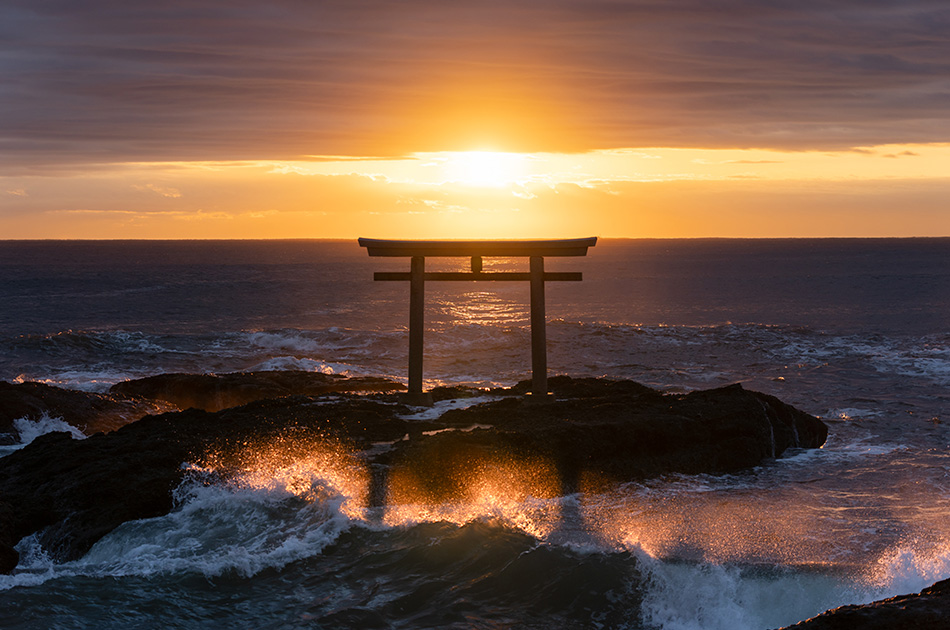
842 285
855 331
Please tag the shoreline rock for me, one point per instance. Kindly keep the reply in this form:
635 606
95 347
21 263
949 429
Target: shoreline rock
89 412
927 610
72 492
214 392
131 400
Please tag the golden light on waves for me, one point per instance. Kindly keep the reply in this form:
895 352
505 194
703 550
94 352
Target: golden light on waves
521 493
310 469
710 527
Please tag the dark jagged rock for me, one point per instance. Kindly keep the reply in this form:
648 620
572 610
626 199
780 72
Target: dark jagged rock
611 431
8 555
214 392
927 610
73 492
88 412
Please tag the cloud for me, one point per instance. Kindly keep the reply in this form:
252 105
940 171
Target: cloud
105 81
901 154
753 162
171 193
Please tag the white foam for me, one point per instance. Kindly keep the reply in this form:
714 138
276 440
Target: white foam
132 341
29 429
686 596
709 596
97 381
34 568
440 407
859 446
219 529
910 567
283 341
308 342
919 358
303 364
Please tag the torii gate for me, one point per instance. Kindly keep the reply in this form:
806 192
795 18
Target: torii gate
535 250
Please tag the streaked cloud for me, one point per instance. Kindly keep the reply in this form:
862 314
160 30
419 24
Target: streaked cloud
104 81
163 191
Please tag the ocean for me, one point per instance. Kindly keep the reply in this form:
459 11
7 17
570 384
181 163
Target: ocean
855 331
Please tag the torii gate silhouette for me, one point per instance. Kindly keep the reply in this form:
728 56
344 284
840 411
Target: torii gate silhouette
535 250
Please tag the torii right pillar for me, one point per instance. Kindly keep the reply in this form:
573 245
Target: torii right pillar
539 339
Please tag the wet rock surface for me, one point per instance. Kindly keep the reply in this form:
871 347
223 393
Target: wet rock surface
214 392
927 610
72 492
88 412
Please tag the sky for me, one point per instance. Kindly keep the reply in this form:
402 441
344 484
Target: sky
489 119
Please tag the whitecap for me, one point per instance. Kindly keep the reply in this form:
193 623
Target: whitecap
28 429
219 529
709 596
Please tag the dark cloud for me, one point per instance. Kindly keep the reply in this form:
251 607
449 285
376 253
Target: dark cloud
108 80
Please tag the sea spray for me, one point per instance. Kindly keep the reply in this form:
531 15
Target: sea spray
813 322
710 596
28 429
223 529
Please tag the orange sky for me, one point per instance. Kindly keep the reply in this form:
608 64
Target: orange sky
418 119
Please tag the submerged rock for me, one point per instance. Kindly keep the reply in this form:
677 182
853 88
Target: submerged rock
927 610
214 392
73 492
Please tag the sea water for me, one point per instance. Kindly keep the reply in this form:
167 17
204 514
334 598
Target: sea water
856 332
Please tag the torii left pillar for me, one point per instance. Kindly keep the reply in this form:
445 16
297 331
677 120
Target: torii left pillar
417 309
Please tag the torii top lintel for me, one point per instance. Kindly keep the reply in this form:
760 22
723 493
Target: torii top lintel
556 247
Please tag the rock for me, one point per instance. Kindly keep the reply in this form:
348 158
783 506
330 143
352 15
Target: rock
8 555
927 610
88 412
214 392
73 492
609 431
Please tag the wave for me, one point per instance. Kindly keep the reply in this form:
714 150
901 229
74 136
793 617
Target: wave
291 545
771 358
26 430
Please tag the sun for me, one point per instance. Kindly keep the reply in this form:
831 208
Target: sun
492 169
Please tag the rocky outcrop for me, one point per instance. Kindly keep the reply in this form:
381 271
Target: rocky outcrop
214 392
88 412
927 610
73 492
612 431
8 555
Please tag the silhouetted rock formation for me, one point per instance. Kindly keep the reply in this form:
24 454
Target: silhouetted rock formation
927 610
214 392
88 412
8 555
73 492
612 431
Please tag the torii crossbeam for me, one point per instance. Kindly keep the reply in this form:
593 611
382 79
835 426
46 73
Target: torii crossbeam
535 250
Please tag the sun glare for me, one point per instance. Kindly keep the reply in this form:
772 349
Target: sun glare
484 168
